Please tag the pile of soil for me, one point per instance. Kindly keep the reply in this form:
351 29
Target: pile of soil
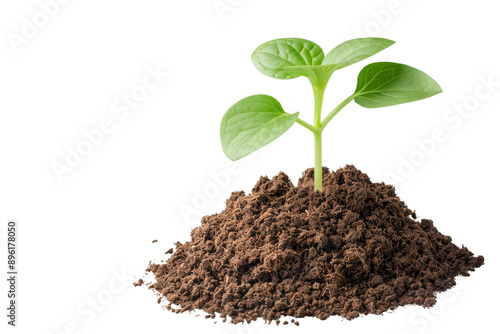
283 250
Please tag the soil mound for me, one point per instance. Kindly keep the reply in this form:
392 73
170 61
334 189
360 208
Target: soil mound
353 248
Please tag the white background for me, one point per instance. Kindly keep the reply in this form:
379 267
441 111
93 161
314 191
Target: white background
77 234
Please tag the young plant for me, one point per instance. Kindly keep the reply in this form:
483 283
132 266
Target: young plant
257 120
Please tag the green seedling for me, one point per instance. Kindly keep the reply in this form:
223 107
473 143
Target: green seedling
257 120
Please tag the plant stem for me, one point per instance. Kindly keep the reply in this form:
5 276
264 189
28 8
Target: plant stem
319 92
318 161
307 125
335 112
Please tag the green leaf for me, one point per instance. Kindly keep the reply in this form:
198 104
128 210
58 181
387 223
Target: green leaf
386 84
318 75
252 123
355 50
272 57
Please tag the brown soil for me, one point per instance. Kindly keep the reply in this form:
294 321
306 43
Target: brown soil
140 282
284 250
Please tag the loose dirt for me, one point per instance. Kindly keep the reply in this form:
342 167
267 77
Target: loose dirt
283 250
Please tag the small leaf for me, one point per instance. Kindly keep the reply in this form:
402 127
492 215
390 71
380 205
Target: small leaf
386 84
272 57
355 50
252 123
